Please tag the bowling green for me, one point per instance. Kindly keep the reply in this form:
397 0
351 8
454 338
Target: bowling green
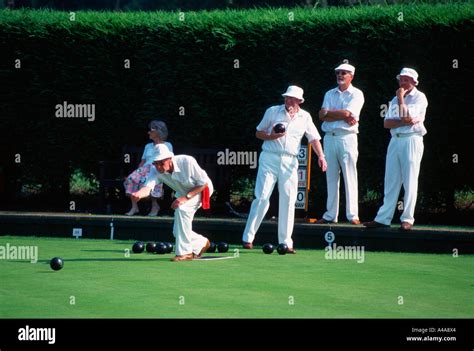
103 279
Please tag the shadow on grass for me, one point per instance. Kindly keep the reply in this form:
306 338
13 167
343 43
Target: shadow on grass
126 242
51 271
121 251
97 259
132 241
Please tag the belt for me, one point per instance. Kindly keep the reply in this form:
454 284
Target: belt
404 135
340 132
281 153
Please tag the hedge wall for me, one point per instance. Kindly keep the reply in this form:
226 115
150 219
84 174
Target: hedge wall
225 68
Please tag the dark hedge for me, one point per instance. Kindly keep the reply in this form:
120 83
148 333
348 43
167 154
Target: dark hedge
190 64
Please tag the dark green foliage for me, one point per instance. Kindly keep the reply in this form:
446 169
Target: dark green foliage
191 64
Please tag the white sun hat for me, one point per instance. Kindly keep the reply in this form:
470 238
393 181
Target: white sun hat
345 67
294 91
409 72
162 152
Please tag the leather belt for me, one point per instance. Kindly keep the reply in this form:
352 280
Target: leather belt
341 132
404 135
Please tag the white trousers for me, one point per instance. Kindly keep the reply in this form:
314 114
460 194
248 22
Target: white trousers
402 168
341 154
284 170
188 241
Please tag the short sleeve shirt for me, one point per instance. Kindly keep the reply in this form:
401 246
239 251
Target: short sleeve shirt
351 99
417 103
297 127
186 175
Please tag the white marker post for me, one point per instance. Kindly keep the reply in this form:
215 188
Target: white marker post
329 237
112 229
77 232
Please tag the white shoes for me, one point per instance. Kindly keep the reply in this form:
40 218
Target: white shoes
132 212
154 211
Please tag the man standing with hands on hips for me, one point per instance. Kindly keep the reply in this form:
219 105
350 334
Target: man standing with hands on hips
281 129
193 188
404 118
340 115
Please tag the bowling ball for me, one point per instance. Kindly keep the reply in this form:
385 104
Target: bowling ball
56 263
268 248
212 247
222 247
282 249
161 248
279 128
151 247
169 247
138 247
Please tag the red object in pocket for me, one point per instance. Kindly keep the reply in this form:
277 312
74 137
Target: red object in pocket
205 199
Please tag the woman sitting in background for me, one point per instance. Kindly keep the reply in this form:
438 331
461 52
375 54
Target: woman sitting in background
158 133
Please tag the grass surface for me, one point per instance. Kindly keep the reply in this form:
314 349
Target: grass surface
103 282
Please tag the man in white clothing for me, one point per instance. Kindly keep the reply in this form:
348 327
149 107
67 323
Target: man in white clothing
340 115
193 187
405 117
278 163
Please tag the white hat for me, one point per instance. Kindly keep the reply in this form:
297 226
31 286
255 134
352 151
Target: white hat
162 152
409 72
345 67
294 91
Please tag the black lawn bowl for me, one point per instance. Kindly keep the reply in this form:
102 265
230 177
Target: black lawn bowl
151 247
279 128
282 249
169 247
212 247
56 263
222 247
268 248
138 247
161 248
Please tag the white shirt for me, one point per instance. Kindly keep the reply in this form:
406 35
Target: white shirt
301 124
151 150
186 175
351 99
417 103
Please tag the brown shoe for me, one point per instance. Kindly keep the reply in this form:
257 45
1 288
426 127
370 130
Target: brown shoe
246 245
291 251
323 221
374 224
203 250
355 222
187 257
406 226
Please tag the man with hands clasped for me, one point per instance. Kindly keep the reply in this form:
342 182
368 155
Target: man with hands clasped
405 117
340 115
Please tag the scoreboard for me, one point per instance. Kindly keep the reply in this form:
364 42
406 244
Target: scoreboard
304 173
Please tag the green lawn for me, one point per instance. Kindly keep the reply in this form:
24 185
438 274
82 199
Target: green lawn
99 280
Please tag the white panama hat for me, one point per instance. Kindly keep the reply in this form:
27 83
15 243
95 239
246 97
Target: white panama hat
162 152
294 91
409 72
